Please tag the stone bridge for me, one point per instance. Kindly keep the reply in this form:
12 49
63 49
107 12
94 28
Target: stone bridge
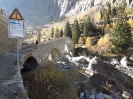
52 50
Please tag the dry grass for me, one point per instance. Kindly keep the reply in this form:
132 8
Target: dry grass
48 83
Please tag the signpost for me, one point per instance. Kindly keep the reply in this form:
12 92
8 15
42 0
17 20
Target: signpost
16 30
16 25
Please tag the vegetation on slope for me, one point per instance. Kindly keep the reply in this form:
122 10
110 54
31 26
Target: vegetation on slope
81 27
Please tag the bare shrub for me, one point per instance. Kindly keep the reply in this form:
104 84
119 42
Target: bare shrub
48 83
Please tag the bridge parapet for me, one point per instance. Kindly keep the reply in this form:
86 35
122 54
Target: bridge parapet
3 19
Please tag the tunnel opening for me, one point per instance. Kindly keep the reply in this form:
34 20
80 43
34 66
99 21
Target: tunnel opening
30 64
54 55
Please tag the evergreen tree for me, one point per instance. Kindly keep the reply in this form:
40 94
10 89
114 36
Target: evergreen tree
67 31
81 27
61 32
106 18
109 8
85 29
52 32
113 12
90 25
121 9
56 34
121 37
102 11
75 32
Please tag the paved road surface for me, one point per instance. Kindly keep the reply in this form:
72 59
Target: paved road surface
6 62
10 87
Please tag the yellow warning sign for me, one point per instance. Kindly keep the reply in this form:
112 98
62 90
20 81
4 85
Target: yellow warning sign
16 15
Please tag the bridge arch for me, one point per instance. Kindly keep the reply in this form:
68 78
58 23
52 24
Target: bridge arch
54 55
30 63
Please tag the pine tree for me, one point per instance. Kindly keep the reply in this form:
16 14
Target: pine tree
109 8
106 14
106 18
67 31
102 11
52 32
85 29
56 34
61 32
90 25
121 9
81 27
113 12
121 37
75 32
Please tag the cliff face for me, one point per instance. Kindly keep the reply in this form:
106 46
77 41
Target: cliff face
43 11
72 7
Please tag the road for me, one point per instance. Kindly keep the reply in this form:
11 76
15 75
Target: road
10 87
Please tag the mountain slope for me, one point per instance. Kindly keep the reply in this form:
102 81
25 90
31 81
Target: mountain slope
39 12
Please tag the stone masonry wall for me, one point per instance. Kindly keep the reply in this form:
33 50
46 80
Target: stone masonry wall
41 53
6 44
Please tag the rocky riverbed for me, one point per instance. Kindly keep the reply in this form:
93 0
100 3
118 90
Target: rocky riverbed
102 79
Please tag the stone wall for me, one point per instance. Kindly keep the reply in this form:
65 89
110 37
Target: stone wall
6 44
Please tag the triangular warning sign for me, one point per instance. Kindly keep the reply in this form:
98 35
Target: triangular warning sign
16 15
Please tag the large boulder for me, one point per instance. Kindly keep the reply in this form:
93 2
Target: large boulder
104 85
99 96
97 80
124 61
114 62
103 77
97 66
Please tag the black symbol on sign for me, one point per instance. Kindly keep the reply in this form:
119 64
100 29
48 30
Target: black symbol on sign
16 14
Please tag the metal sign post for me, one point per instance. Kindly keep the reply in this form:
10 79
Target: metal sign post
16 30
18 69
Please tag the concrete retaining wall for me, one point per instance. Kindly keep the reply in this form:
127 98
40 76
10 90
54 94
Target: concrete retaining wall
6 44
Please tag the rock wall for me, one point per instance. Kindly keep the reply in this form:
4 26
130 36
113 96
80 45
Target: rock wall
6 44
